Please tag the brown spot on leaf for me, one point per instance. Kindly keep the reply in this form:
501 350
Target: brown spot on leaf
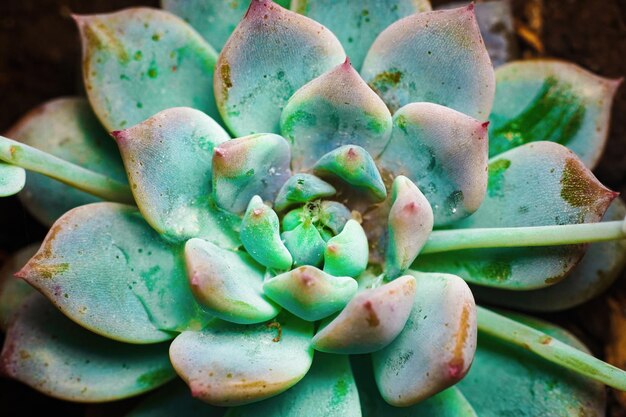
456 366
279 330
372 317
579 188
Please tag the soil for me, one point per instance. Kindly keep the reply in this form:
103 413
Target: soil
39 60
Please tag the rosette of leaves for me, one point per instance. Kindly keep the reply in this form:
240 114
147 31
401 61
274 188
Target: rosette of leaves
263 217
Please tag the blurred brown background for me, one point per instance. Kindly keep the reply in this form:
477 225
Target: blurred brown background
39 60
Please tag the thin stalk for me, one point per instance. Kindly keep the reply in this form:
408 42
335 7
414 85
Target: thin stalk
549 348
33 159
510 237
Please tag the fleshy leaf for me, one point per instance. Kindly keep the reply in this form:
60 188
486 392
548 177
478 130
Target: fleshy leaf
292 219
174 399
335 109
139 61
537 184
309 293
508 380
12 179
68 129
104 267
13 291
249 166
553 101
370 321
357 24
448 403
347 253
334 215
436 347
260 235
354 165
305 244
601 265
50 353
271 54
233 364
437 57
444 152
169 161
301 188
410 223
227 283
327 390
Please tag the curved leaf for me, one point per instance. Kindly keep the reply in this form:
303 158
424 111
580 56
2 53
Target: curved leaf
327 390
137 62
68 129
227 283
12 179
249 166
370 321
169 161
48 352
347 253
271 54
437 57
335 109
301 188
357 24
444 152
105 268
508 380
541 183
305 244
436 347
232 364
601 265
553 101
13 291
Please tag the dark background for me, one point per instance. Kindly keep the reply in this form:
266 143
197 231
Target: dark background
40 60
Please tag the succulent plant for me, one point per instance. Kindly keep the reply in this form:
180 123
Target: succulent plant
293 233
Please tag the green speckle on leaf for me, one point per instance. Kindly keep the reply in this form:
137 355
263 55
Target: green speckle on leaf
492 271
386 80
156 37
496 177
153 72
138 55
296 118
51 270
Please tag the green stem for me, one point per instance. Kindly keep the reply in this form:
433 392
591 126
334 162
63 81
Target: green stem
27 157
510 237
549 348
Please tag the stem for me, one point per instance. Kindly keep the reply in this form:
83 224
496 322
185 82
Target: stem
510 237
27 157
549 348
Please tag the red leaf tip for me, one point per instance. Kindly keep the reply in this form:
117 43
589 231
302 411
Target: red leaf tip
470 7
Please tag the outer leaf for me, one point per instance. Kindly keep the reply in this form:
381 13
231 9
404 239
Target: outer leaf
105 268
68 129
137 62
309 293
537 184
12 179
249 166
357 24
13 291
169 160
370 321
227 283
260 235
335 109
347 253
601 265
327 390
410 223
235 364
48 352
448 403
551 100
437 57
271 54
436 347
507 380
174 399
444 152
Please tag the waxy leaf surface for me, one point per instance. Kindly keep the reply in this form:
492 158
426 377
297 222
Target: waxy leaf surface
233 364
271 54
104 267
347 253
538 184
50 353
300 188
137 62
437 57
12 179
